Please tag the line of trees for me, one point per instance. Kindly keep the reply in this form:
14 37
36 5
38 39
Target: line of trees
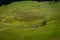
49 0
6 2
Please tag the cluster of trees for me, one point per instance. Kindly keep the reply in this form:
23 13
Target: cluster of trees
6 2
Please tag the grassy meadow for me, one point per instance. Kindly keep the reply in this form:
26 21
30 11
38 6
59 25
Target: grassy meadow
18 18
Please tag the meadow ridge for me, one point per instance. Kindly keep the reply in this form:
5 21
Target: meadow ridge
30 20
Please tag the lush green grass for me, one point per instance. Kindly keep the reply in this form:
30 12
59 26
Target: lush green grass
17 19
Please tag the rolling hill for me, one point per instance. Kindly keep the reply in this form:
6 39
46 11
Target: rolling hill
30 20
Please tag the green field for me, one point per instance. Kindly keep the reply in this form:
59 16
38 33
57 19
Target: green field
18 18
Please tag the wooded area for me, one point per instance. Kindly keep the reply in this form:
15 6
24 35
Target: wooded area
6 2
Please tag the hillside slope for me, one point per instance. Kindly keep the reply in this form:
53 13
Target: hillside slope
18 21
